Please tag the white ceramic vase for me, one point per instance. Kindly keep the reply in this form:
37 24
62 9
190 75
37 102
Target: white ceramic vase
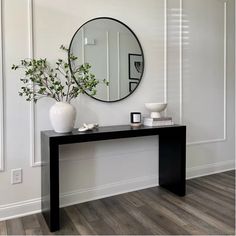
62 117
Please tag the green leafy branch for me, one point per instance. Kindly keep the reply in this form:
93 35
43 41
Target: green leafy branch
60 82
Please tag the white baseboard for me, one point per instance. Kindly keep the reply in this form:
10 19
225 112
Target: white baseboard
19 209
209 169
32 206
108 190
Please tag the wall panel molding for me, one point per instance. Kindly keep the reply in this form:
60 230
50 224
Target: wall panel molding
118 65
32 129
181 6
181 61
165 54
1 91
108 64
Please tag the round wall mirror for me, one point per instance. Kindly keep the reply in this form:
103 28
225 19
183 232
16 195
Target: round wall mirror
114 53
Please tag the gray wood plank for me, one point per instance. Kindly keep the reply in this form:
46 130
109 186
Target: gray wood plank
111 219
224 215
3 228
129 224
212 202
198 225
230 173
67 227
102 228
224 178
169 226
88 211
132 199
200 214
15 227
212 193
201 193
82 226
43 225
219 186
161 215
31 225
97 220
142 218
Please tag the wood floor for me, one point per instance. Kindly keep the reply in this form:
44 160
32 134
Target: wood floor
208 208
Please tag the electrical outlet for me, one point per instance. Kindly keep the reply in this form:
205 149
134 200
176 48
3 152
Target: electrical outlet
16 176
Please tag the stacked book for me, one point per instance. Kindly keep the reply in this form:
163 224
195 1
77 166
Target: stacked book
162 121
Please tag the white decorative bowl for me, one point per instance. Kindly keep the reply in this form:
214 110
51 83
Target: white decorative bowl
155 108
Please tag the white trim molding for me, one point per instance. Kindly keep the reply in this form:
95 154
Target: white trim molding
83 41
32 130
107 190
165 53
225 70
165 57
118 65
108 65
1 93
181 61
19 209
208 169
224 77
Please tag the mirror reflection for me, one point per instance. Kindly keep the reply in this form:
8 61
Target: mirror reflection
114 53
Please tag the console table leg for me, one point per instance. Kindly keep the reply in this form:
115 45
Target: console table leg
172 162
50 183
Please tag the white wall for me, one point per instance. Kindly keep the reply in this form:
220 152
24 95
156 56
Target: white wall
188 70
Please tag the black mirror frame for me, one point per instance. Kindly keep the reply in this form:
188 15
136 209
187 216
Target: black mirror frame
110 18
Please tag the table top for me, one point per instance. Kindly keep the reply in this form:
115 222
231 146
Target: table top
110 129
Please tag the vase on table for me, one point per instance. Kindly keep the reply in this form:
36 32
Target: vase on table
62 116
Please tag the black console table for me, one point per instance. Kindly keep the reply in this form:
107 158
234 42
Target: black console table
172 160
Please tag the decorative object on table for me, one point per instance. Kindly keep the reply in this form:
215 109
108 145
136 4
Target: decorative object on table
87 127
62 116
59 83
155 109
162 121
135 119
